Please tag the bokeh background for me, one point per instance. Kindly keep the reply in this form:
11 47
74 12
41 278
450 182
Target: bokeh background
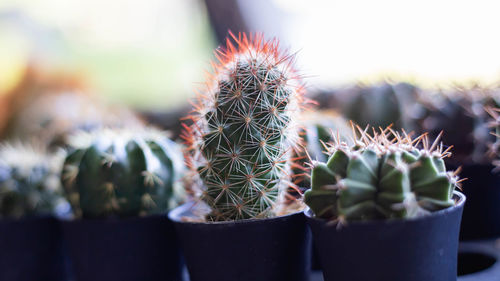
152 54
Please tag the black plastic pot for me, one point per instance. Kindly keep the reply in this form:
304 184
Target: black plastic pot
481 218
133 249
423 249
479 261
274 249
31 250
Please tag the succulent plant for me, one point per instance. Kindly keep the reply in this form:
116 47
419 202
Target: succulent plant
494 123
382 175
244 129
460 112
122 173
29 182
379 105
317 129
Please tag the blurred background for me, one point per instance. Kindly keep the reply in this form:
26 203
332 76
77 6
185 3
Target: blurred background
151 55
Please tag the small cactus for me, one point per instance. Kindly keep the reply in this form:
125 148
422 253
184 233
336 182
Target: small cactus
381 176
317 129
121 172
245 129
29 182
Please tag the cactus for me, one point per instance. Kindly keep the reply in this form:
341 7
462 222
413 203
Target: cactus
381 176
444 109
121 173
494 123
316 129
380 105
29 182
244 130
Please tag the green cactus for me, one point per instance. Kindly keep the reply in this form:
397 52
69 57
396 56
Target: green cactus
29 182
244 130
121 172
316 129
381 176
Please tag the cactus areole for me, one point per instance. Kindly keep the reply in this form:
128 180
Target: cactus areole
383 175
244 129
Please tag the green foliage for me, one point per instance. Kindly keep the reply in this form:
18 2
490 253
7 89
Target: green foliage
122 173
381 176
244 130
29 182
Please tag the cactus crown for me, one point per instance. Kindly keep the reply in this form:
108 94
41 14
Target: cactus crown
382 175
29 182
244 129
121 172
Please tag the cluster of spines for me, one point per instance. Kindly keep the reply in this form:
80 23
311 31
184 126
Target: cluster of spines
383 175
244 129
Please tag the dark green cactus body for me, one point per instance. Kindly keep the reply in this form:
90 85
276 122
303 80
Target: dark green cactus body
380 180
29 182
122 173
245 131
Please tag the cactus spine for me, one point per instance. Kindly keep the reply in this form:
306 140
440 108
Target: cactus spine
244 129
121 173
29 182
384 175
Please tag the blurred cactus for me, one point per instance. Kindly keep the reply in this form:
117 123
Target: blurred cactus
460 112
29 182
494 149
317 129
379 105
244 130
122 173
381 176
52 105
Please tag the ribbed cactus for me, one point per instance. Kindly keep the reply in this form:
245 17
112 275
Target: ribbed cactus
383 175
121 172
244 129
29 182
317 129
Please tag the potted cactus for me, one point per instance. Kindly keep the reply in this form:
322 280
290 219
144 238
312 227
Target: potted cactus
30 199
120 184
461 112
240 147
385 204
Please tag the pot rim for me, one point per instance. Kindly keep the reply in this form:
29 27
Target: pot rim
460 201
177 214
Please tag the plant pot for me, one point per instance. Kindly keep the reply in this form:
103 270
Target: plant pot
132 249
31 250
271 249
397 250
481 218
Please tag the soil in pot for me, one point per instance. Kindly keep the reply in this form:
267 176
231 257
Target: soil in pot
132 249
479 261
397 250
274 249
31 250
481 218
